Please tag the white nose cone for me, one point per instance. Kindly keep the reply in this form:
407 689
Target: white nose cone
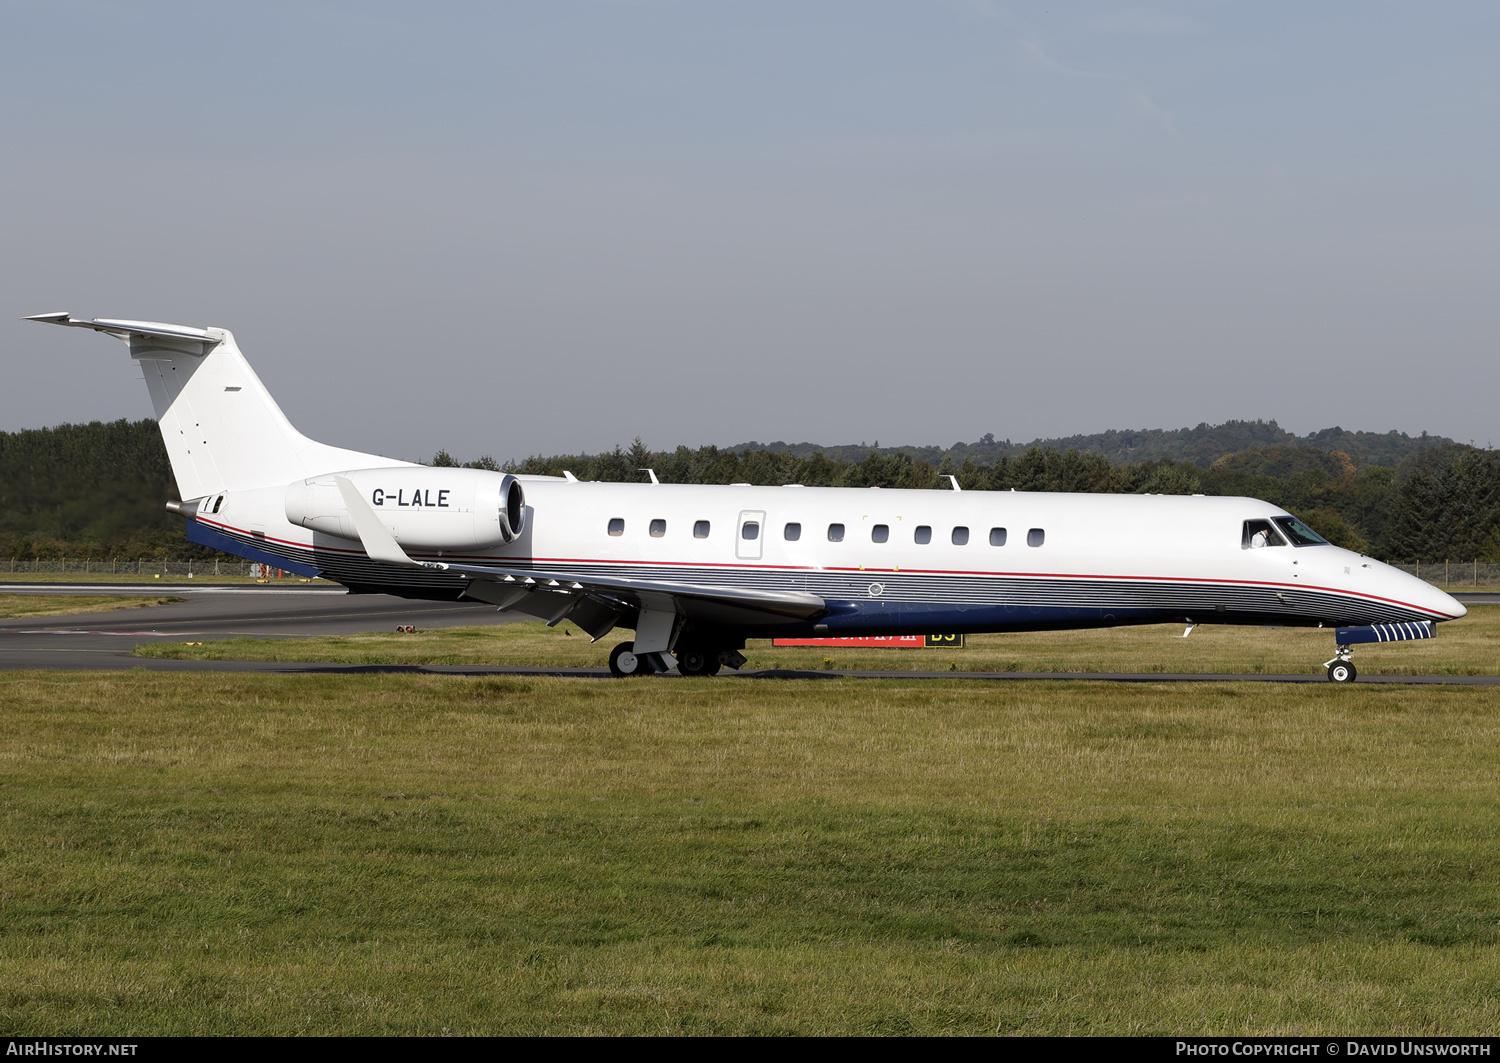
1437 604
1455 608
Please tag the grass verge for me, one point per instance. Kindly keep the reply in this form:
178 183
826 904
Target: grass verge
18 605
421 854
1463 647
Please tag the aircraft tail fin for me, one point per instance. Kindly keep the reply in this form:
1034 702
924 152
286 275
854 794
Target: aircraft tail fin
222 428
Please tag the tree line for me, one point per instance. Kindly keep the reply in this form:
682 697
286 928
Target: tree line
1201 446
99 490
90 490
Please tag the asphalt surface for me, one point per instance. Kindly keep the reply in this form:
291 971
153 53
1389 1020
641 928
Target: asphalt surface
223 611
209 611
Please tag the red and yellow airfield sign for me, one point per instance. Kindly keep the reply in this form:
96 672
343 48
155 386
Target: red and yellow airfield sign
882 642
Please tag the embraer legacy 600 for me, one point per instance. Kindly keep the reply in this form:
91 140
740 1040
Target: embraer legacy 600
694 570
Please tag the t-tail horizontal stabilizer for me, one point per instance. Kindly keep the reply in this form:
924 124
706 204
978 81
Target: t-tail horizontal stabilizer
222 429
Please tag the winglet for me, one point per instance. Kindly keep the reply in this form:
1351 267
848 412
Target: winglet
376 538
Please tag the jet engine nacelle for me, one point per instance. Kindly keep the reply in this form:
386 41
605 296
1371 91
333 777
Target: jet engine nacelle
451 510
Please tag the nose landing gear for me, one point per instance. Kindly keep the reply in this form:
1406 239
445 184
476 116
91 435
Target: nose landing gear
1341 669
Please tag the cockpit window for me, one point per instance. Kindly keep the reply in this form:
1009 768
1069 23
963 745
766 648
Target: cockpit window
1260 533
1300 534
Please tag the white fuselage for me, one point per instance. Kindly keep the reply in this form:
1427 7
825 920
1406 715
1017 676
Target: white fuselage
990 560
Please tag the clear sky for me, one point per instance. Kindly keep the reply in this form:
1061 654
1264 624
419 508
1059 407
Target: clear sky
516 228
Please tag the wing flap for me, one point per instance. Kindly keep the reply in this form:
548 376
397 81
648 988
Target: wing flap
597 604
794 605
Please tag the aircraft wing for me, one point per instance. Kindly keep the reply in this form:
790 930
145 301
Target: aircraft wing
595 603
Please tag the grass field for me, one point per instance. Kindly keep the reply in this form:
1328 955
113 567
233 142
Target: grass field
14 605
421 854
1464 647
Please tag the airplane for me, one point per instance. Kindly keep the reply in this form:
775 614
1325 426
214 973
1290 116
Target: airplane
694 570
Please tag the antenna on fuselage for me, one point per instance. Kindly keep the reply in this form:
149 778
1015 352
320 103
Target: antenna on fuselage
651 473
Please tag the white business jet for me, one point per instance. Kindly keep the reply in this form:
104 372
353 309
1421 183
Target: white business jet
695 570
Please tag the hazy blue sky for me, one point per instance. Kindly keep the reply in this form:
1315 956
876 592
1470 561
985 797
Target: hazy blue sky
531 227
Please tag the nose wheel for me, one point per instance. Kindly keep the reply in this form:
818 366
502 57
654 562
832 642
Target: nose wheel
1341 669
1342 672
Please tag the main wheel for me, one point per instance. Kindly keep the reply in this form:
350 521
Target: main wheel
1342 672
623 661
698 662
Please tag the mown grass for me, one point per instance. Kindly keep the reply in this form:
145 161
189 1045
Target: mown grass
17 605
420 854
1463 647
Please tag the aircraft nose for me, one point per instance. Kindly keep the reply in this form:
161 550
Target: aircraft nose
1425 596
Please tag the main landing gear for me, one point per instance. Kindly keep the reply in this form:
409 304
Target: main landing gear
624 661
698 662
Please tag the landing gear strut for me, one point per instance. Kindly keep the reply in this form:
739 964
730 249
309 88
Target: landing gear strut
1341 669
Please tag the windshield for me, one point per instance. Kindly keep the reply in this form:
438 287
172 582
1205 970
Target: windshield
1300 534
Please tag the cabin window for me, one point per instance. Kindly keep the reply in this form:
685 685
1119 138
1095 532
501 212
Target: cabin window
792 532
1300 534
1259 533
1036 537
960 536
700 530
658 528
835 533
880 533
617 525
923 535
750 530
997 536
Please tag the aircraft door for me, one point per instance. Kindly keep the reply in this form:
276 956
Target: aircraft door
750 535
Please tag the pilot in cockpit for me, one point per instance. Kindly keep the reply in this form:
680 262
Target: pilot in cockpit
1258 533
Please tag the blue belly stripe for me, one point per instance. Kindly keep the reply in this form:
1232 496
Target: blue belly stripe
1402 632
